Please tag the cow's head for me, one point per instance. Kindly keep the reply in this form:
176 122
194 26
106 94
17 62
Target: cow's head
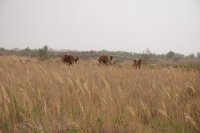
76 59
110 59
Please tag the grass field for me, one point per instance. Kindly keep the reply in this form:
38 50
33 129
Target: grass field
52 97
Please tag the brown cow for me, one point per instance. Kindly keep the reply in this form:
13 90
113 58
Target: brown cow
76 59
69 59
104 59
137 64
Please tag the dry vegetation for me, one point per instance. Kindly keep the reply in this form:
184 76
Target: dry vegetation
52 97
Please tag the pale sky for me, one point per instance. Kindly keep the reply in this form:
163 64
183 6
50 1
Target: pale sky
117 25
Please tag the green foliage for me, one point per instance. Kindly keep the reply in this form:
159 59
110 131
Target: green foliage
190 57
27 49
174 56
2 49
43 53
100 124
165 125
146 56
73 130
170 54
198 55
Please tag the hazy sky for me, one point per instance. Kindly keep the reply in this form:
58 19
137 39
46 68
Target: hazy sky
118 25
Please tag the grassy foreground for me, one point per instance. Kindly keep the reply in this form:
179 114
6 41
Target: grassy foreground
52 97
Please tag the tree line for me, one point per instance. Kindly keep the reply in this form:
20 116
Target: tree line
46 53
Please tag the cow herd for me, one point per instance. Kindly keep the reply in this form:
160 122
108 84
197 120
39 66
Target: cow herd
103 59
137 64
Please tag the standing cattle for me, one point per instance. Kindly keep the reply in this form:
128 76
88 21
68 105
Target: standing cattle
104 59
137 64
69 59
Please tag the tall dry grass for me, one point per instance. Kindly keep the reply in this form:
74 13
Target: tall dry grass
52 97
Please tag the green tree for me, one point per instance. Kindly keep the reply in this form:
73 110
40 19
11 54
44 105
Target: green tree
27 49
191 56
198 55
146 56
43 53
170 55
